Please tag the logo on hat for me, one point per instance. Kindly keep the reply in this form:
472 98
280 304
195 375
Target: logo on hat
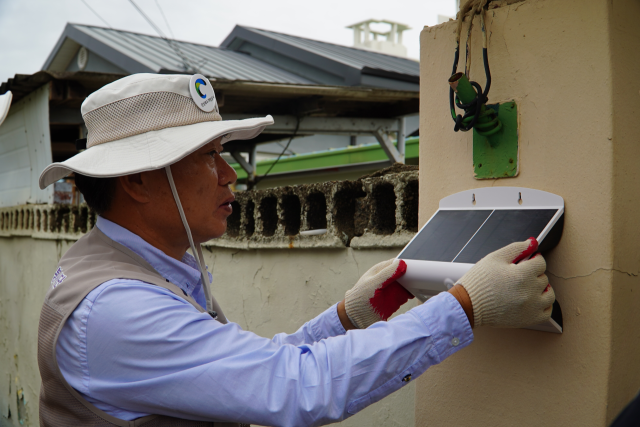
199 83
202 93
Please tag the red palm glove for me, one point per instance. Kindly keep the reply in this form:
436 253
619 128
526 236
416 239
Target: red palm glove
377 295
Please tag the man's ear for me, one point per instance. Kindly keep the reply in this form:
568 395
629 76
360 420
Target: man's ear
136 186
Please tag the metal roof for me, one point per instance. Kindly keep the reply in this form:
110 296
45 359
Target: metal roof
349 56
154 54
22 85
367 156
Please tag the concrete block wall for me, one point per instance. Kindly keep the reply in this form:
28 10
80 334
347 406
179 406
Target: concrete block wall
371 212
367 213
46 221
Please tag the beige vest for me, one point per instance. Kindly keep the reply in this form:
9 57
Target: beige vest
94 259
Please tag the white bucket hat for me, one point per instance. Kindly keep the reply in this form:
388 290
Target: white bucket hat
149 121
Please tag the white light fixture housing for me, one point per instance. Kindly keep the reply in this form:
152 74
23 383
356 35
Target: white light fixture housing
473 223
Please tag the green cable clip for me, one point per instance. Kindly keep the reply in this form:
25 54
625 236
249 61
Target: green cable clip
469 95
477 116
495 127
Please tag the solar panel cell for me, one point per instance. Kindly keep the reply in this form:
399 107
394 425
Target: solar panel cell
445 235
502 228
466 236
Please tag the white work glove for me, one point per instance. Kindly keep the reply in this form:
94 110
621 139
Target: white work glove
507 292
377 295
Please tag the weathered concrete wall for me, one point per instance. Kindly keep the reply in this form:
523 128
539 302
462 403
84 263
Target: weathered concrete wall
378 211
26 267
568 64
269 289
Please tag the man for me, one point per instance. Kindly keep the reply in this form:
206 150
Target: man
129 334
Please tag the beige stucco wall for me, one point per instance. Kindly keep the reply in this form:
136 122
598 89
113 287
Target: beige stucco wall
571 65
265 291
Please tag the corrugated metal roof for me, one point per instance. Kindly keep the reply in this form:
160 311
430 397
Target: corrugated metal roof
345 156
155 53
351 56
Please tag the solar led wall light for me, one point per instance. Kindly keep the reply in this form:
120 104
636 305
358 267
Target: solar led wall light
470 225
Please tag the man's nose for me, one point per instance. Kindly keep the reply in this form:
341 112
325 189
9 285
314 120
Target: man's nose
226 174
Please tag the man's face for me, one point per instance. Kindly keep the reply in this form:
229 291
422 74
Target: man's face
202 180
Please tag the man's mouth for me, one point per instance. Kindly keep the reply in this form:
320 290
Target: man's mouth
227 202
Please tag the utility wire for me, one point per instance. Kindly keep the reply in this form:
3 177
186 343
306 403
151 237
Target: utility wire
295 132
165 20
97 14
172 44
291 152
149 21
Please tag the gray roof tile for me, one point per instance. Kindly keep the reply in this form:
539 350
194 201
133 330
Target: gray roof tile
221 63
351 56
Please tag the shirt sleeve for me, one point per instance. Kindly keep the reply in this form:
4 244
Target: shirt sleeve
326 325
149 351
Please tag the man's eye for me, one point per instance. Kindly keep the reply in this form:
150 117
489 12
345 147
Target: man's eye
213 153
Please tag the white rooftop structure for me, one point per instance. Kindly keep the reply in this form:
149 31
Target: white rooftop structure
365 37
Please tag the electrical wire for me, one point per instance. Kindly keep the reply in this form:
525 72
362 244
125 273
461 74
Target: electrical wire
290 153
149 21
165 19
295 132
473 109
186 63
97 14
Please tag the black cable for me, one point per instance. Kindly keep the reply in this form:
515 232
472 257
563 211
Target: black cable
295 132
185 61
97 14
166 22
472 109
149 21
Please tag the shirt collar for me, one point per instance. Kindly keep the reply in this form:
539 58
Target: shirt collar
184 274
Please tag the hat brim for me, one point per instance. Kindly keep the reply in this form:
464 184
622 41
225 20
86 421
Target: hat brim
151 150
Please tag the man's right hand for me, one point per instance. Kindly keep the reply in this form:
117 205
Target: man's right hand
508 290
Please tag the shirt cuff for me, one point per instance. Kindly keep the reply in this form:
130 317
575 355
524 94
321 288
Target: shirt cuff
327 324
446 322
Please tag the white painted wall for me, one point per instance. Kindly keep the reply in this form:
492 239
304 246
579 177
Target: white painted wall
25 150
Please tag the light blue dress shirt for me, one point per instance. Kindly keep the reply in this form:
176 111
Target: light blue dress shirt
134 349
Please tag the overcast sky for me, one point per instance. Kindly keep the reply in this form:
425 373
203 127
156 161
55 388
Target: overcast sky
30 28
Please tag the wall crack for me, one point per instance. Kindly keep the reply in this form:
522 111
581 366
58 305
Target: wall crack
593 272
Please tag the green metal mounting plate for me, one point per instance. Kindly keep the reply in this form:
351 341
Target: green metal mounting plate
496 156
